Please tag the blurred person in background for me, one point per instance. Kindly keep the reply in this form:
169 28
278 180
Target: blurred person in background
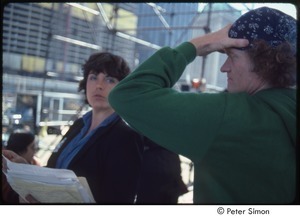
242 142
23 143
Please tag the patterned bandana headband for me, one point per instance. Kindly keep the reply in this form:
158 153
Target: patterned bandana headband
271 25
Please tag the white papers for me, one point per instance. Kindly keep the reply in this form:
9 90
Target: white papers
47 185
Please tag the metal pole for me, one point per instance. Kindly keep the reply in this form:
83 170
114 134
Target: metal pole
207 30
49 37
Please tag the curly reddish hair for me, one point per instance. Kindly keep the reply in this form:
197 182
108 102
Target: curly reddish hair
276 65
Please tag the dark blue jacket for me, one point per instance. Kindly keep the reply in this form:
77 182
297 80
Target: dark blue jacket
110 161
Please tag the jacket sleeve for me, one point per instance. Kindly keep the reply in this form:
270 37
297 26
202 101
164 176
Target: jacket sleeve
185 123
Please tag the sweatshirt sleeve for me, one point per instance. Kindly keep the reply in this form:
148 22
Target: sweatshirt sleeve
185 123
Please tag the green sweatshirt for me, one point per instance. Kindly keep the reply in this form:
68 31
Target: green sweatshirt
243 146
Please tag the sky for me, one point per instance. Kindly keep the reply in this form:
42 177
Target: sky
287 8
284 7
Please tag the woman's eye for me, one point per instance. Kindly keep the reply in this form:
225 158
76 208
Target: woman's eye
92 77
110 80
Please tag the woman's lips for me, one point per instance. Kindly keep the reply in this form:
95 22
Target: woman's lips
97 96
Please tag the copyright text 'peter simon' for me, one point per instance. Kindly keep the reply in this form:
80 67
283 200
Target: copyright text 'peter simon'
248 211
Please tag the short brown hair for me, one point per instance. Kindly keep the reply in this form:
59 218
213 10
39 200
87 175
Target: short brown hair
113 65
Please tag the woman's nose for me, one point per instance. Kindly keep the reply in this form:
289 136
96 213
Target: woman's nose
100 84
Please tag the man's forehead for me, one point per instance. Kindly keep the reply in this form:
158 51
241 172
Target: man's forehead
232 51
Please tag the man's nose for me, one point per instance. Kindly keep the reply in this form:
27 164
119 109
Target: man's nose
225 67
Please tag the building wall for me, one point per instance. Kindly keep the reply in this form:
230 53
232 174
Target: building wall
32 32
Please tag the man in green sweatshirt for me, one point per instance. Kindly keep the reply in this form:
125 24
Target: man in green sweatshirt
242 142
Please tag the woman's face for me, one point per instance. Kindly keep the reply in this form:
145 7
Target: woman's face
98 87
31 149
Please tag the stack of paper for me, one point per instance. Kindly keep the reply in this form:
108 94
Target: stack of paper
47 185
